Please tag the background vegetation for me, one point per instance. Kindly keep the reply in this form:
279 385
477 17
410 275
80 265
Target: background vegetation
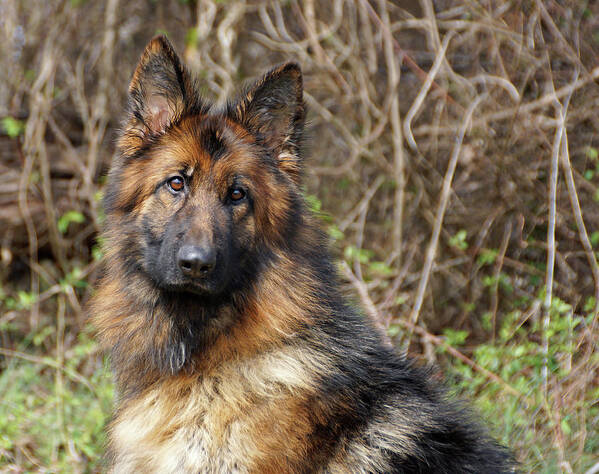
454 160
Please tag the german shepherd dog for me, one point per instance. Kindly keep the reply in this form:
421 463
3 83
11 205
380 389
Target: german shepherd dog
232 345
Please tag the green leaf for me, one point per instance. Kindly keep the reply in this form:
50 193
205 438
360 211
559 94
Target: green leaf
25 299
487 256
73 278
381 267
67 218
362 255
459 240
505 283
191 37
42 335
13 127
455 338
314 203
97 252
566 426
393 330
489 280
588 174
589 304
334 232
592 153
560 306
401 299
487 321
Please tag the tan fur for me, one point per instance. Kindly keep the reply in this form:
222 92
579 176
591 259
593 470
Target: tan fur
227 413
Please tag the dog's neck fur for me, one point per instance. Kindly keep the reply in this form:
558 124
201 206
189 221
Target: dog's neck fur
144 337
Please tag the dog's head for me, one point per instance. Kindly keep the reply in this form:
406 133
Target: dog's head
198 195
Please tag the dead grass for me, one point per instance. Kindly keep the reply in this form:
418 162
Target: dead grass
454 144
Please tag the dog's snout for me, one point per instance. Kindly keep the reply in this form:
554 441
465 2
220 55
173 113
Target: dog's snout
196 261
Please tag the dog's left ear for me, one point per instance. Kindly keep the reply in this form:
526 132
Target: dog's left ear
273 109
158 89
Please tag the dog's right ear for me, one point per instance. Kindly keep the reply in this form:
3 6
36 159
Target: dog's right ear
158 89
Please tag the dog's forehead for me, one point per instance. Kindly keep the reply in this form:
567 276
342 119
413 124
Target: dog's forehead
201 144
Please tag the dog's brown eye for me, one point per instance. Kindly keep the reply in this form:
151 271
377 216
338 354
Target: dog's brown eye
176 183
236 194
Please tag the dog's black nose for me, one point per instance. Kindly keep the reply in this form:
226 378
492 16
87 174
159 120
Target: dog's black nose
196 261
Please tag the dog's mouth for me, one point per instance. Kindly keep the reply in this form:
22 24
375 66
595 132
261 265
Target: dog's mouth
208 286
199 287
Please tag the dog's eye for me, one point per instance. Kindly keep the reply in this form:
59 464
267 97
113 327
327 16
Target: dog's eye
176 184
236 194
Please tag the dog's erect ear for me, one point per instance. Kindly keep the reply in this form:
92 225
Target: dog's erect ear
273 109
157 92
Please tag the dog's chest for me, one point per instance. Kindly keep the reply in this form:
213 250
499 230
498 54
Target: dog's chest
207 424
185 428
